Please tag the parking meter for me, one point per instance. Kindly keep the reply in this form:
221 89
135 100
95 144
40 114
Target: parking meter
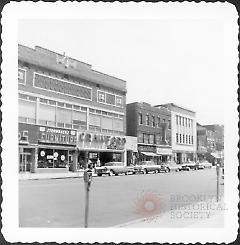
87 176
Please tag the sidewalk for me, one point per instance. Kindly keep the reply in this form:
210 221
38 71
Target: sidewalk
168 220
35 176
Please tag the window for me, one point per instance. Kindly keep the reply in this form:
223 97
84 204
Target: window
140 119
101 97
146 138
153 121
189 139
140 137
176 119
119 101
183 138
177 137
118 125
186 139
169 124
21 76
180 120
147 120
158 122
158 139
183 121
151 139
192 140
180 138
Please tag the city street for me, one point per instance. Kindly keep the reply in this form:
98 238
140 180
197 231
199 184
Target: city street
113 200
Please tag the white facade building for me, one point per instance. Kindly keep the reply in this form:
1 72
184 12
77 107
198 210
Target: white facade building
184 133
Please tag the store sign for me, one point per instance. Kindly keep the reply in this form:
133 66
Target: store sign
147 148
91 140
27 133
131 143
163 151
57 136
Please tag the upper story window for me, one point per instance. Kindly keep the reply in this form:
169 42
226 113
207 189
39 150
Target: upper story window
169 124
21 76
119 101
158 121
177 137
183 121
101 97
177 119
140 118
180 138
147 120
110 98
153 121
180 120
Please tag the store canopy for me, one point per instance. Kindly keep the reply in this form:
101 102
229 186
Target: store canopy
217 155
149 154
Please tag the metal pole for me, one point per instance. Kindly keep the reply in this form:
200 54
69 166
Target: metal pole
86 205
218 168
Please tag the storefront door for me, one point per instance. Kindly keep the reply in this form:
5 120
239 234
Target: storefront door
24 162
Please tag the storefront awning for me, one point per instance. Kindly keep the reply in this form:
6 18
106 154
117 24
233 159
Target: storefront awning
217 155
149 154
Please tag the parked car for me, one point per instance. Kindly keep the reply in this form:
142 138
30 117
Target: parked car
172 166
164 168
149 166
113 168
206 164
184 167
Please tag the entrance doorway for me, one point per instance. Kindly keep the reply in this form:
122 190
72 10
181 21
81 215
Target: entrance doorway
24 162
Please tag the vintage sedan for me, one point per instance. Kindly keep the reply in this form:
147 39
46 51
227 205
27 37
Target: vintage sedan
149 166
113 168
172 166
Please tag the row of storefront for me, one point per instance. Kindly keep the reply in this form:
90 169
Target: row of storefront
42 148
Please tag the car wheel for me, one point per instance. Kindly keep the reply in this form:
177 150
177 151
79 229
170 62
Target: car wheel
111 173
99 174
145 171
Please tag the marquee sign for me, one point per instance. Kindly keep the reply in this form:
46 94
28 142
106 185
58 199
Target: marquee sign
86 140
57 136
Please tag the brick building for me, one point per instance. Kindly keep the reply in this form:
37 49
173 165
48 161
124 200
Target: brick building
211 139
68 112
184 133
152 127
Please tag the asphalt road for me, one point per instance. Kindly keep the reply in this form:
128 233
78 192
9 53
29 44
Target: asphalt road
113 200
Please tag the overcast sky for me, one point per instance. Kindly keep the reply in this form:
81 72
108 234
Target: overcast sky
179 61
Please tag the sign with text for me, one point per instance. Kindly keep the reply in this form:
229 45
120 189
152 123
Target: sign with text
99 141
163 151
57 136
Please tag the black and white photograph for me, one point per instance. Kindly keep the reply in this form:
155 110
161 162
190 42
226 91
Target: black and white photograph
124 118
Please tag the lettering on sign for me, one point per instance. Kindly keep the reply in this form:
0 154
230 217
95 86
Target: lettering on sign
110 142
59 136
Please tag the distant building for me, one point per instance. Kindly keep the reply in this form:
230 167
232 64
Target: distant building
152 127
68 113
202 145
184 132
